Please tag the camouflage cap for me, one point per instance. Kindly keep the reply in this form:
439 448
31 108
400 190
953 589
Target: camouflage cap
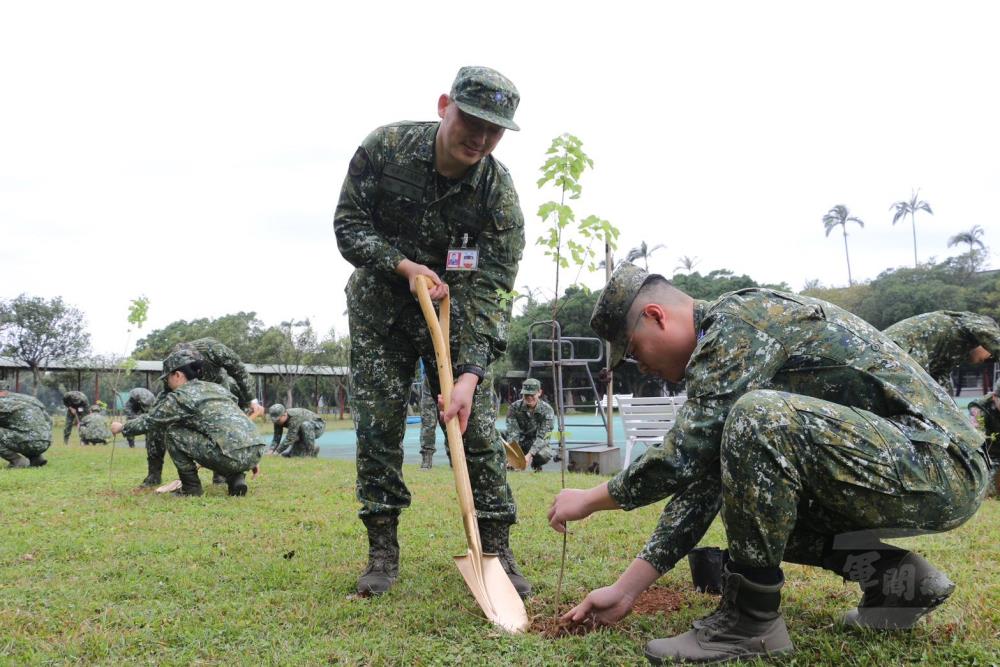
487 94
142 396
610 316
180 358
531 387
276 411
95 408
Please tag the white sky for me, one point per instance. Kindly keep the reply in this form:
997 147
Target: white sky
194 151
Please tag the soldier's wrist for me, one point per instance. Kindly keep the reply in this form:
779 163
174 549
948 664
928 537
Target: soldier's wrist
472 369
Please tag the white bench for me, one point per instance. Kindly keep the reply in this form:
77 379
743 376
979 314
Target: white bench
647 420
598 404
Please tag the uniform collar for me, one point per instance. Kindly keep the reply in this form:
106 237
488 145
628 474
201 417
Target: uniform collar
700 308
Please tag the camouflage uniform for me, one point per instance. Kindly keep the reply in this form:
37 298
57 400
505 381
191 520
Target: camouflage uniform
428 420
139 402
395 206
941 341
95 428
303 427
530 429
25 428
76 408
224 367
201 424
802 422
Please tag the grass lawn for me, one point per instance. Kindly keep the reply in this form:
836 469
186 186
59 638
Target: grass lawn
91 572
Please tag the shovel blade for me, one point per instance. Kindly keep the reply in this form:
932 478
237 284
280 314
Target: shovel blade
494 594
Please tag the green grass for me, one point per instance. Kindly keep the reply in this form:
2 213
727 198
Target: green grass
93 573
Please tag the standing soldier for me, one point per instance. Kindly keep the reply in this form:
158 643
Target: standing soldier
139 402
812 432
25 429
76 409
420 199
944 339
201 425
303 428
529 423
428 425
94 428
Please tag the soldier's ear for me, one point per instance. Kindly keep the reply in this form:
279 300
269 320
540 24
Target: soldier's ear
443 103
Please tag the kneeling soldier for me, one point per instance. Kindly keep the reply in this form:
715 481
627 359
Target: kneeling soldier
529 423
303 427
25 429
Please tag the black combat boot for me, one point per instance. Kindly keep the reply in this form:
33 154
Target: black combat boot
898 587
427 460
37 461
218 478
16 460
155 473
190 484
237 484
746 625
383 554
495 537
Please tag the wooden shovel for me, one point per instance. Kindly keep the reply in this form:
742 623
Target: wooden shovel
483 573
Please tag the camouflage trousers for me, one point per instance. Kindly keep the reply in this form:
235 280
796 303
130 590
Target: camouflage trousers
11 445
428 420
188 448
71 419
155 450
798 471
382 363
306 446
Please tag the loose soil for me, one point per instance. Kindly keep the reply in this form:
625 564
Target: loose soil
655 600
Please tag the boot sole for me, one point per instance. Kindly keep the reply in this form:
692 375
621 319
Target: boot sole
743 657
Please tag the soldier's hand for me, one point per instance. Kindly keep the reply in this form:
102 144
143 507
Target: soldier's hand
568 505
602 606
255 471
116 428
256 409
461 400
527 461
410 270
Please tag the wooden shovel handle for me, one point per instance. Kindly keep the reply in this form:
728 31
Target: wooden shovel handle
442 352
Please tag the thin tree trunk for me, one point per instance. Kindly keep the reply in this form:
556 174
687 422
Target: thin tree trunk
913 221
850 281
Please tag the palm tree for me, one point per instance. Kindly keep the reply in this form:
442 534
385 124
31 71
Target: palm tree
686 263
839 215
973 237
911 207
642 251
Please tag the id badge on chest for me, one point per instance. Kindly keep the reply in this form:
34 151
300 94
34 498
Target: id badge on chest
462 259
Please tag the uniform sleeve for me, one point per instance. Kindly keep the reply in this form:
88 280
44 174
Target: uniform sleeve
513 427
544 429
683 523
353 222
984 331
730 360
167 412
276 440
220 355
501 244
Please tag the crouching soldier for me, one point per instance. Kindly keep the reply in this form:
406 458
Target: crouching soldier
201 424
140 401
302 426
529 423
25 429
94 428
812 432
76 409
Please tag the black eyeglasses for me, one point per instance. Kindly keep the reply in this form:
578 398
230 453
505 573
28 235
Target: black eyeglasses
629 355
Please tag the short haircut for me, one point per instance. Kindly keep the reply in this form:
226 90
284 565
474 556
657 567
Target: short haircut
658 290
191 371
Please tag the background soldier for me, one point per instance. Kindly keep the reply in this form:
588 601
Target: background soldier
806 426
943 340
529 423
94 429
987 409
201 426
428 425
303 428
76 409
25 429
419 199
139 402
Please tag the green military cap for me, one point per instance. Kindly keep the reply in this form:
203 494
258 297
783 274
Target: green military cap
531 387
276 411
610 315
487 94
180 358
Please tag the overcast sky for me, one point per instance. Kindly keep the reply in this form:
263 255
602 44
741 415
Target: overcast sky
193 152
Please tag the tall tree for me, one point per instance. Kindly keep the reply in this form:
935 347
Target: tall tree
292 348
37 331
840 215
904 208
642 251
686 263
972 237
